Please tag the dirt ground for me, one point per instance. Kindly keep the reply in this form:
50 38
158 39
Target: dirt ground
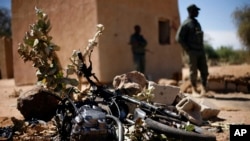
234 106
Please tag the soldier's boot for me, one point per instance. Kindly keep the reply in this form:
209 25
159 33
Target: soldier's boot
195 92
203 90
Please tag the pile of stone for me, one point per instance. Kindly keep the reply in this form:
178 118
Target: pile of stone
165 92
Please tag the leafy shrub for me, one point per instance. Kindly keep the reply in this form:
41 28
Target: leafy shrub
38 48
228 55
211 53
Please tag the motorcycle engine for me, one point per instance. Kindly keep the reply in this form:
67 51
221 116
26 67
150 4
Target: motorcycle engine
89 124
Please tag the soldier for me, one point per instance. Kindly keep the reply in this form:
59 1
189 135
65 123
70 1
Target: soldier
190 36
138 46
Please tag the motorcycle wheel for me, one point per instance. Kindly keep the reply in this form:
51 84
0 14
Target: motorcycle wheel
178 133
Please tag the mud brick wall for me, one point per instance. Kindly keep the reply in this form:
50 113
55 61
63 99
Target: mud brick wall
74 23
6 58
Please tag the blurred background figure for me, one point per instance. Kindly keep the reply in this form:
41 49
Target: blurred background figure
190 36
138 46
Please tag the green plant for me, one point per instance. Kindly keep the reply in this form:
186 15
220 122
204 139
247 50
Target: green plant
228 55
38 48
211 53
241 17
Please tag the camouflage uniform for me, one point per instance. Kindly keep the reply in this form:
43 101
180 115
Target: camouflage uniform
190 36
138 47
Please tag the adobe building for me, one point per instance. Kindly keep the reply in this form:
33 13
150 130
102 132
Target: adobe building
6 58
74 23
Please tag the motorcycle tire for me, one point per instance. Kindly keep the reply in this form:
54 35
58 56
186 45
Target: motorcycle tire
178 133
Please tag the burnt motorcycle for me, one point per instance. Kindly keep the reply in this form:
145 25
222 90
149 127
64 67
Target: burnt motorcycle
104 114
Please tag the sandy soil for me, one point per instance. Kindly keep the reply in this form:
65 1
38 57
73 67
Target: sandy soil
8 98
235 107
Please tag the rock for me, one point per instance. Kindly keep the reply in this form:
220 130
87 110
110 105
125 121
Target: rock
164 81
185 87
130 83
6 122
37 103
165 94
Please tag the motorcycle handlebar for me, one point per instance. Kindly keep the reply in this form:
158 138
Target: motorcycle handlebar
80 57
151 107
106 94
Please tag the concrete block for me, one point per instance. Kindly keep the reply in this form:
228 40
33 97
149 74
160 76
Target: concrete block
208 109
191 110
164 94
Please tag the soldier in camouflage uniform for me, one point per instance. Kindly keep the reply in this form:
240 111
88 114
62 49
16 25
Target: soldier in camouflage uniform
138 46
190 36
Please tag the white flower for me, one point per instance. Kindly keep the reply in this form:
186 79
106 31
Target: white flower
100 27
74 54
